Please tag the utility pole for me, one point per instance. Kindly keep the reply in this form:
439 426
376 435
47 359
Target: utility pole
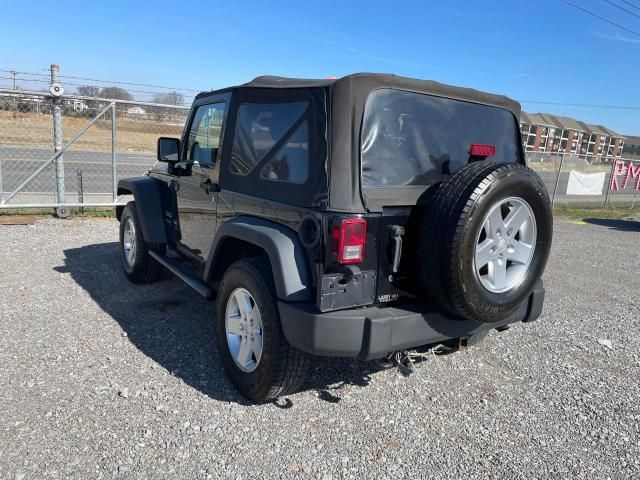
13 74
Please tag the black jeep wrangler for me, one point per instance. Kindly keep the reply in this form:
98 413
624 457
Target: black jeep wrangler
354 217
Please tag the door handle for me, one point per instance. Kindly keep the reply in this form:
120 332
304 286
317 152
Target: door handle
209 186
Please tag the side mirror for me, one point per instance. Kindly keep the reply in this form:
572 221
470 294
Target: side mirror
168 149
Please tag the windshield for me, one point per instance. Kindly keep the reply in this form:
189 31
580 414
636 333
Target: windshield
415 139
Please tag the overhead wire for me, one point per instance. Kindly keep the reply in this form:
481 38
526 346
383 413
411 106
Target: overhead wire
622 8
46 79
601 17
83 85
630 4
585 105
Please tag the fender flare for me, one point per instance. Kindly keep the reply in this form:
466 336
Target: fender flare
287 256
148 194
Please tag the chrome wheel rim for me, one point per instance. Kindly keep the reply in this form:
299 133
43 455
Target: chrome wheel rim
129 242
243 326
505 245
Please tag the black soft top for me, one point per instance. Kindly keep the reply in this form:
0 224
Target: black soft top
365 82
345 100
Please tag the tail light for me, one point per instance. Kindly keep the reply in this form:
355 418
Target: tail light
349 239
478 150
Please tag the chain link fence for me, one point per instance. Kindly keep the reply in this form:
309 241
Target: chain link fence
71 150
576 181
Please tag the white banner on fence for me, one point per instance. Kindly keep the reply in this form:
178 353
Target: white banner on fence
585 183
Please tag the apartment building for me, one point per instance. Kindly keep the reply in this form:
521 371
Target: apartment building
543 132
631 147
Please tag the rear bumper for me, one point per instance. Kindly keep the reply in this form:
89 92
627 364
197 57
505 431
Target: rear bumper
372 332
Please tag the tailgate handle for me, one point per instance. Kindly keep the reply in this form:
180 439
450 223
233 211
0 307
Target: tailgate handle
396 232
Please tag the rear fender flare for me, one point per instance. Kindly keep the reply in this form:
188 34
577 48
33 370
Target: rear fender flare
287 256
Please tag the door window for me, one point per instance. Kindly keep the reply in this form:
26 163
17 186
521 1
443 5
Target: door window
204 135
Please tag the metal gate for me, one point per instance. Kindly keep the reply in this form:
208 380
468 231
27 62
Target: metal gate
67 151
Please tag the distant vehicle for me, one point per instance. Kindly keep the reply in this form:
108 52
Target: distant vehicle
352 217
136 111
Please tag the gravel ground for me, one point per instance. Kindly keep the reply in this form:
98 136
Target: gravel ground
102 378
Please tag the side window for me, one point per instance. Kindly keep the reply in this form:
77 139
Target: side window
291 162
204 135
258 128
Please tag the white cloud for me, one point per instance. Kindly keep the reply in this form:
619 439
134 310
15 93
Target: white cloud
616 38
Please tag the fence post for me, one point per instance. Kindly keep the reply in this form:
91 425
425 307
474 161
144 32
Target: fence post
80 189
1 185
114 178
555 188
56 90
606 197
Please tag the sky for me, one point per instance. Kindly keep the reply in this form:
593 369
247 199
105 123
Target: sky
542 50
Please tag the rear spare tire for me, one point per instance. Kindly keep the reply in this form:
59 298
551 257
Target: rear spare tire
485 240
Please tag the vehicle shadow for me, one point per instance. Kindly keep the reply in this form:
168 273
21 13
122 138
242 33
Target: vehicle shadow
174 326
620 225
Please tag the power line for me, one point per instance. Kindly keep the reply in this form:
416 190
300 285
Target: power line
586 105
33 80
24 73
630 4
541 102
601 17
129 83
101 81
622 8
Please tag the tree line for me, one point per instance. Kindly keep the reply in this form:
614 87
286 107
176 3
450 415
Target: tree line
117 93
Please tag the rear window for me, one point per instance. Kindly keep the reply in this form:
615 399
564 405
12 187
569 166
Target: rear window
414 139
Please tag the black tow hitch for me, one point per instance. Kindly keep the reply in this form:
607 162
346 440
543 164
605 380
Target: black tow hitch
405 360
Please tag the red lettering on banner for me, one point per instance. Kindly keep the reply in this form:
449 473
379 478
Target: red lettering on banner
634 172
618 169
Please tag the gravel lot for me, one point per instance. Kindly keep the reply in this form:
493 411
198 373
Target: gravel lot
102 378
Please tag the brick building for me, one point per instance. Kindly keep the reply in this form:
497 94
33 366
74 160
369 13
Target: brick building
543 132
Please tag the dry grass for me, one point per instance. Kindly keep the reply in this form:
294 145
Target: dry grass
133 135
552 166
616 213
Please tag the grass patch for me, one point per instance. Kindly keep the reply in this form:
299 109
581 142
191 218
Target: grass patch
611 213
89 212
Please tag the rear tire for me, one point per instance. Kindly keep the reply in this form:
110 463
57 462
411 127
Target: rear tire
273 367
138 265
502 206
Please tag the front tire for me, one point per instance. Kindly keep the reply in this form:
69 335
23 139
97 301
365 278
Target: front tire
138 265
256 356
